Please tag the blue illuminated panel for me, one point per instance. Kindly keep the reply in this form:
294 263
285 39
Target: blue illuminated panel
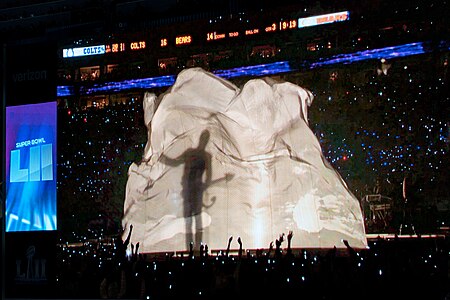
31 167
258 70
84 51
387 53
117 86
65 90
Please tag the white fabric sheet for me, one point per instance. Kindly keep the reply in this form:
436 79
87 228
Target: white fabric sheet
222 161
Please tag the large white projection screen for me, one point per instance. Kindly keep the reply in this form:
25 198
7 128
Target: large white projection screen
224 161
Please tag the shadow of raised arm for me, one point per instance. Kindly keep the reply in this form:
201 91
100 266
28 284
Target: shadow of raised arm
173 162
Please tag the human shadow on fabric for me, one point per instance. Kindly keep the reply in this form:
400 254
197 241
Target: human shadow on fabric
196 179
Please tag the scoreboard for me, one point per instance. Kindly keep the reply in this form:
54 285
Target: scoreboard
208 37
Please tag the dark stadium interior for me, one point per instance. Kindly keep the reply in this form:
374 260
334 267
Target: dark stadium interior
382 122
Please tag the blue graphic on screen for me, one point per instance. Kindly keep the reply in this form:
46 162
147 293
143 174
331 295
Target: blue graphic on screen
31 167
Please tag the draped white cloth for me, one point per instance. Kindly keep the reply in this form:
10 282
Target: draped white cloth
222 161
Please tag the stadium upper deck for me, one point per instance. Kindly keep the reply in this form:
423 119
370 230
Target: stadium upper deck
295 33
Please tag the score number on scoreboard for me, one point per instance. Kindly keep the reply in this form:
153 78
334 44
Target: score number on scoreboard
213 36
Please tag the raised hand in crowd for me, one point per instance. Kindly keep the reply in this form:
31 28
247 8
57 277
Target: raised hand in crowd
289 239
191 250
202 249
351 251
270 249
127 241
228 246
121 246
278 243
137 249
240 246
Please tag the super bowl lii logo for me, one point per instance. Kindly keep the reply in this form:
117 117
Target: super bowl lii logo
40 163
31 269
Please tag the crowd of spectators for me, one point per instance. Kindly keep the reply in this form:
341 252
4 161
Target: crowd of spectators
389 268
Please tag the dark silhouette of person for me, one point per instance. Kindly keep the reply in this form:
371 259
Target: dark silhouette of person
197 163
407 226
